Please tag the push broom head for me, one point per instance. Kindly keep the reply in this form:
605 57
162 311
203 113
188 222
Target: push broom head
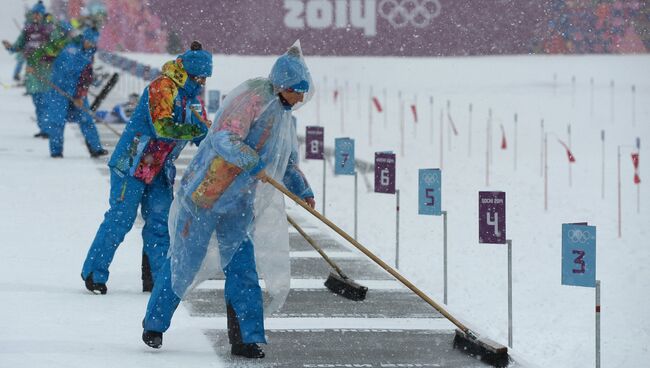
484 349
345 287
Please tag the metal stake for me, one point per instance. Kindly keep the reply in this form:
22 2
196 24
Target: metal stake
597 323
397 229
324 178
509 242
356 203
444 252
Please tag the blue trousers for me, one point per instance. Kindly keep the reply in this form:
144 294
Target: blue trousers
40 104
60 109
20 61
242 293
127 194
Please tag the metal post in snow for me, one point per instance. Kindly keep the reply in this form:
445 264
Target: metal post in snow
619 188
602 149
415 123
346 94
570 172
356 203
487 149
359 100
490 135
385 94
633 105
611 99
638 186
431 119
319 92
397 229
554 84
342 97
400 119
370 117
448 130
545 150
509 242
573 91
515 142
541 149
597 323
441 138
324 178
591 97
469 133
444 252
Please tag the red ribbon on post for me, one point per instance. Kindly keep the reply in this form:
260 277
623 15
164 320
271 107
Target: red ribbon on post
572 159
635 162
504 142
415 113
336 94
375 101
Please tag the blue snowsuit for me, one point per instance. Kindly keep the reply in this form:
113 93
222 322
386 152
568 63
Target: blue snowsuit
143 171
217 195
72 73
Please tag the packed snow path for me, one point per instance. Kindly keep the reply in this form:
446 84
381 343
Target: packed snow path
316 328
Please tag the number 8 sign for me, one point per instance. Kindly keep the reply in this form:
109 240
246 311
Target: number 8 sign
429 198
579 255
314 142
492 217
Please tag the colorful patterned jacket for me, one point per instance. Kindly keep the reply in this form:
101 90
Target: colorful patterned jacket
159 129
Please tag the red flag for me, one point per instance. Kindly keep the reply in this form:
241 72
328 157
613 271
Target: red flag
451 122
504 142
635 162
336 94
415 113
375 101
572 159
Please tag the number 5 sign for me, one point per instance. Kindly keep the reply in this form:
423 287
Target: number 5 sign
314 141
385 172
344 156
492 217
429 198
579 255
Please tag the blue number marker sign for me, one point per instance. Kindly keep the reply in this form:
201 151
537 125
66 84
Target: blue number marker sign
579 255
214 100
429 197
344 156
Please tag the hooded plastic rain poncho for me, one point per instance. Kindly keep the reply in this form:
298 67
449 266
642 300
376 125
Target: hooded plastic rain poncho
220 203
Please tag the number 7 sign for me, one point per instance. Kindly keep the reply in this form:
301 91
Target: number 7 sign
429 198
344 156
579 255
492 217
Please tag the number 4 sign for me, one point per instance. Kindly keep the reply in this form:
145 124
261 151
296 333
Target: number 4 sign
429 198
492 217
579 255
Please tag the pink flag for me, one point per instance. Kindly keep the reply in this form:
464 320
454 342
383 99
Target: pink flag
375 101
572 159
415 113
504 143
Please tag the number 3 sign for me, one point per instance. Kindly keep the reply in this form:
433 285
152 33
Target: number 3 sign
579 255
429 198
314 141
492 217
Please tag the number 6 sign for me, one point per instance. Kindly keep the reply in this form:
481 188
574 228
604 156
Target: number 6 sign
579 255
429 198
492 217
314 142
385 172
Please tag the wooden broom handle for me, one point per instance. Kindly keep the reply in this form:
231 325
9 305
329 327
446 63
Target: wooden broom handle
316 247
370 255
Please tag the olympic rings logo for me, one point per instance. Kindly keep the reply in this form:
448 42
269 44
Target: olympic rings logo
418 13
579 236
430 179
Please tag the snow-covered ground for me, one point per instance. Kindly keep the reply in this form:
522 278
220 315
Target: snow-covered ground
51 208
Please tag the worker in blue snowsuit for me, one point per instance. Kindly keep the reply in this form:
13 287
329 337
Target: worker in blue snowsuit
72 73
253 137
167 117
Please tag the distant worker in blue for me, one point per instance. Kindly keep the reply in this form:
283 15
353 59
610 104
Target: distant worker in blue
167 117
72 75
36 33
223 208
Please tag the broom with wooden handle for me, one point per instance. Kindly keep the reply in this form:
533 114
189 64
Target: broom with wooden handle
489 351
338 283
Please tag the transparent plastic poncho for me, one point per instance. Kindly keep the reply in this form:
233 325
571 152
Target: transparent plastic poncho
207 226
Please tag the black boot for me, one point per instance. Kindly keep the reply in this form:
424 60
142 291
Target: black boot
234 336
96 288
247 350
41 135
98 153
152 338
147 279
